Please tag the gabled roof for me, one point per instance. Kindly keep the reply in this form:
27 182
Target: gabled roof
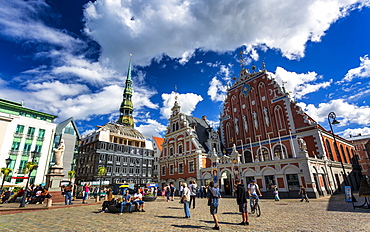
63 124
158 141
124 130
201 130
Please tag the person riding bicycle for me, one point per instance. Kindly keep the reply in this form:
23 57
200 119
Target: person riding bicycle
253 192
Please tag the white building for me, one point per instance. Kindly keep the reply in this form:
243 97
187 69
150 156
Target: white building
25 135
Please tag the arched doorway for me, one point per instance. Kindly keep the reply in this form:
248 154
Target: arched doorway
226 182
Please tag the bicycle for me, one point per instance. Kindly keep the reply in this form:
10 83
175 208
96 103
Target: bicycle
256 207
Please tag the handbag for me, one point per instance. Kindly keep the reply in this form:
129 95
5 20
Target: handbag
49 195
182 201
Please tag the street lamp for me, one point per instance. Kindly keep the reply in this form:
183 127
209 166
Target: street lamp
23 202
7 162
334 121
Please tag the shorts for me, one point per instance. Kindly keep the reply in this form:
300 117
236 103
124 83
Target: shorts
243 208
213 209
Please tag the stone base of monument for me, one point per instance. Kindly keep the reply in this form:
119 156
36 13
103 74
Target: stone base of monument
53 183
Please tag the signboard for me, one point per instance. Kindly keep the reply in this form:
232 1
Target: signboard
348 193
150 185
105 182
20 177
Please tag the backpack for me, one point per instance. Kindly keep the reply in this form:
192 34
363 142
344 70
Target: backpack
193 189
168 189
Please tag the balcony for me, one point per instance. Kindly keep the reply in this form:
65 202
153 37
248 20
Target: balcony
30 137
14 152
40 138
18 135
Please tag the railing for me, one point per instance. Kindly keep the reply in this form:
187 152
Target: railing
14 152
30 137
18 135
40 138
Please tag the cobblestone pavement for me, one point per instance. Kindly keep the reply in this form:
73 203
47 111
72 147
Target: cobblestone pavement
324 214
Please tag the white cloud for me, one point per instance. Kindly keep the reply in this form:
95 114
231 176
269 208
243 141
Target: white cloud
217 86
187 102
346 113
355 132
149 29
19 20
151 128
360 72
299 84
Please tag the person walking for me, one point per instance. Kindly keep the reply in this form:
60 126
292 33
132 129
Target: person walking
303 194
193 192
276 193
186 200
68 194
213 194
241 200
86 190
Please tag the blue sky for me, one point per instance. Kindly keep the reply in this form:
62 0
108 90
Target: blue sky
70 58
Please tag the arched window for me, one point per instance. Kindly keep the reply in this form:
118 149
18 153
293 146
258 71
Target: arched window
171 151
280 152
248 157
180 148
329 150
264 154
343 154
337 152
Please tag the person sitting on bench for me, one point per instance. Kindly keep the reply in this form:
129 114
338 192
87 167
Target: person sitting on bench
126 201
138 200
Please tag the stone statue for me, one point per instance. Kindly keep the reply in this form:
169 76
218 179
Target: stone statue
58 154
302 144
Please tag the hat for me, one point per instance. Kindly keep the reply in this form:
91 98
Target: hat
253 181
184 184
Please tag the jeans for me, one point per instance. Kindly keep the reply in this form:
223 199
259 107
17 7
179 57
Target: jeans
123 205
86 196
68 198
192 199
186 208
251 200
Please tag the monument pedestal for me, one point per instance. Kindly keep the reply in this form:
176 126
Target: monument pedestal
53 183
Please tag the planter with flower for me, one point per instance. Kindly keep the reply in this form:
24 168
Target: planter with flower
148 195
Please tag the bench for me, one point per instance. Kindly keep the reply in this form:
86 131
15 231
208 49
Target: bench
116 208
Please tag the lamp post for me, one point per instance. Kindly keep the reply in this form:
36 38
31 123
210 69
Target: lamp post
334 121
7 162
23 202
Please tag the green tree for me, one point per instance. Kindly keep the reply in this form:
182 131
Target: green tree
30 166
5 172
71 174
101 172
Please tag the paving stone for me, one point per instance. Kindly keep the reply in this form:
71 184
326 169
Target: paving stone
324 214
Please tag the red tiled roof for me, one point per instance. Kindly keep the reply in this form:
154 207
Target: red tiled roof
159 142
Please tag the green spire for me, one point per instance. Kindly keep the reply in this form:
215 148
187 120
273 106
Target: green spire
127 108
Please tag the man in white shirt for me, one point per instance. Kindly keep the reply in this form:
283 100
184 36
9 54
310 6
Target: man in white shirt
138 200
253 192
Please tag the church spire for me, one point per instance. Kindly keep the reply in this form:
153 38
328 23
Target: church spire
176 107
127 108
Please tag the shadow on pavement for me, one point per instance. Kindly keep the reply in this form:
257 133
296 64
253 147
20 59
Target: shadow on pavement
230 213
189 227
169 217
337 202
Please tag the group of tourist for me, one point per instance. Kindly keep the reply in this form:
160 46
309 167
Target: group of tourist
34 195
125 201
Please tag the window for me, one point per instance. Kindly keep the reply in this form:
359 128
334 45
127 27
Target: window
109 169
279 152
163 173
293 182
31 131
171 151
38 148
171 169
20 129
191 166
117 170
181 168
248 157
27 147
41 134
270 181
15 146
264 154
329 150
180 149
